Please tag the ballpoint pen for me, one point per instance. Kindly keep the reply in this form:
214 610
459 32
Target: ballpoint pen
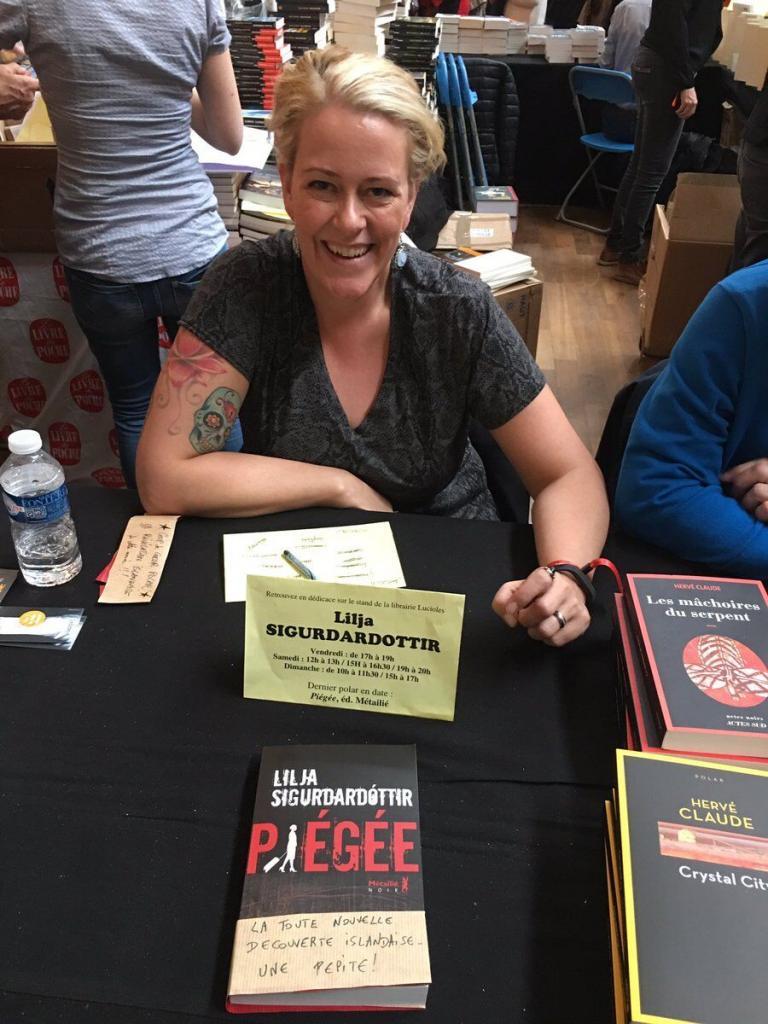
298 565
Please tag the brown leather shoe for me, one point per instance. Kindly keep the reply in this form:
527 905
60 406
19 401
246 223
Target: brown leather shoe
629 273
608 257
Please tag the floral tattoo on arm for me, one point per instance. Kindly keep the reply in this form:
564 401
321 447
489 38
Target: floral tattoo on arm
189 370
214 421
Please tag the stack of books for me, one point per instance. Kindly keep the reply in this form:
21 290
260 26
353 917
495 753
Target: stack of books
687 870
588 42
692 653
226 186
448 32
255 117
498 269
471 35
307 24
558 48
536 43
262 212
332 914
517 37
361 25
495 35
497 199
412 43
258 53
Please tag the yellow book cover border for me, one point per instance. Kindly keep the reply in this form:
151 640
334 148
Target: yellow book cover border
635 1003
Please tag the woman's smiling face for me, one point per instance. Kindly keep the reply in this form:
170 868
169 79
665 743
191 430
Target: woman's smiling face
349 195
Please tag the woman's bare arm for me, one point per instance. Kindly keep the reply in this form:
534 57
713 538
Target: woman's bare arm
216 113
181 469
570 518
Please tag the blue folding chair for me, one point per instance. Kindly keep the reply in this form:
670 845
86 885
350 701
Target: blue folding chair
610 87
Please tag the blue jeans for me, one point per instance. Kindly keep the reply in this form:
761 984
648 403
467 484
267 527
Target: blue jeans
120 322
657 134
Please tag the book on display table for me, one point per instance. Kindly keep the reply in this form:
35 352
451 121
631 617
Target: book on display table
687 862
332 913
701 647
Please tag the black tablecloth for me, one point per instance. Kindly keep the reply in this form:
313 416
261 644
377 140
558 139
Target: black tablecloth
549 155
129 765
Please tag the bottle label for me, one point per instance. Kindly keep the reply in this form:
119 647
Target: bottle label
42 508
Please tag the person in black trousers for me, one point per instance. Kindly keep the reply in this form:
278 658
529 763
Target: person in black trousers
751 242
681 37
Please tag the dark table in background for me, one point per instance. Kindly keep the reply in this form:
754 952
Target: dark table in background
549 155
128 769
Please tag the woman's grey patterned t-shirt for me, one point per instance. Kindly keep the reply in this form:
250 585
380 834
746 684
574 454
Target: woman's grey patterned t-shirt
453 356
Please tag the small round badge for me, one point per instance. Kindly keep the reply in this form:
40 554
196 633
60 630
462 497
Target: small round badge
32 618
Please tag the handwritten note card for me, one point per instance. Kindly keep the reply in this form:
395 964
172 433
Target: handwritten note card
138 564
364 554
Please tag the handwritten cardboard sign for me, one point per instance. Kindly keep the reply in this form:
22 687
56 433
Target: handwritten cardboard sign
138 564
352 647
340 950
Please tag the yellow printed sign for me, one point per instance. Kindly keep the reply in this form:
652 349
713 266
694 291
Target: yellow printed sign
352 647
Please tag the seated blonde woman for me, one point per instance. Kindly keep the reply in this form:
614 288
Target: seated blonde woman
354 363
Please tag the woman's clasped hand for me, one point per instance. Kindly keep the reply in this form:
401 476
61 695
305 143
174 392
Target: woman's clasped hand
550 607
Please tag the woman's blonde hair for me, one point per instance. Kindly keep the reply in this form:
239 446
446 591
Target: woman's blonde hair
361 81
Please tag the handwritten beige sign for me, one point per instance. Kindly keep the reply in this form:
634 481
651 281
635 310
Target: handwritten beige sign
352 647
310 952
138 564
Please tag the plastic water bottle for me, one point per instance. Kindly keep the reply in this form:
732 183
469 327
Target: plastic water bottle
35 494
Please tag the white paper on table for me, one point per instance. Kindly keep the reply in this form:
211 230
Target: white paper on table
364 554
252 155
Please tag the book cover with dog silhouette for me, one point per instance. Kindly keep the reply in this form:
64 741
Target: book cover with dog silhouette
332 913
703 642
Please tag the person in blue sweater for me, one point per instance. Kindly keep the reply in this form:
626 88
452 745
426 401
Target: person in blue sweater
694 478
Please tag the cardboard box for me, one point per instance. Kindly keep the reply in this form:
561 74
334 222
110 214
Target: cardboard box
679 275
704 208
522 304
481 231
27 176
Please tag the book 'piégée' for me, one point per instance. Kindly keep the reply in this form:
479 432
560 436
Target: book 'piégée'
332 913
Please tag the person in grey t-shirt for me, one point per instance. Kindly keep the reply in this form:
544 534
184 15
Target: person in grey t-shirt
135 215
356 363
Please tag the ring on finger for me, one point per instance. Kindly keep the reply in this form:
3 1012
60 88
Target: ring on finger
560 618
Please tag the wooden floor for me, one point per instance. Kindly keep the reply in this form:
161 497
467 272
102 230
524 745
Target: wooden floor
590 324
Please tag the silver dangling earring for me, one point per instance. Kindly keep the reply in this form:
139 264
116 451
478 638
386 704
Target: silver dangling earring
295 245
400 256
